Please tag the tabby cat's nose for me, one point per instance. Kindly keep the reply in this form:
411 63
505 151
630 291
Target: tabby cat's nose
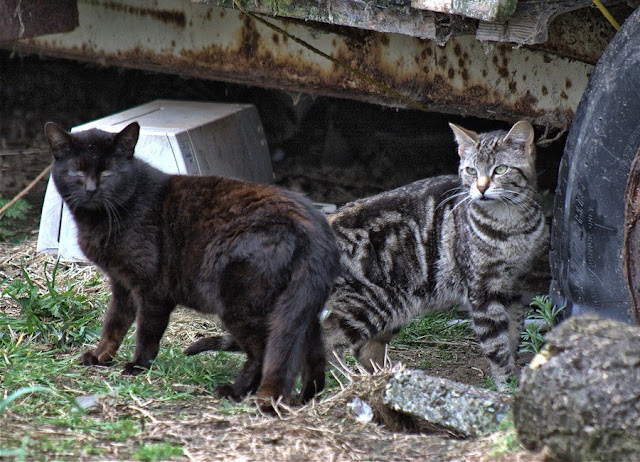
483 184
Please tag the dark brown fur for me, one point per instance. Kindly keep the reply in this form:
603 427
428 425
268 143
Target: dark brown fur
261 258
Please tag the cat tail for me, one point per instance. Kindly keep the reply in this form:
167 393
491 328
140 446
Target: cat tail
223 342
295 339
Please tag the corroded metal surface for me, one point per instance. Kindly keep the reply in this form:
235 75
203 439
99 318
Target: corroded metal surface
29 18
631 248
463 77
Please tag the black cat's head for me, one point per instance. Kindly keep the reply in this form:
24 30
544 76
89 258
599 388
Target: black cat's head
93 170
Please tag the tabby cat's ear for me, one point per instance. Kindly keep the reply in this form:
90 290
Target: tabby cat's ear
58 139
521 133
126 140
465 138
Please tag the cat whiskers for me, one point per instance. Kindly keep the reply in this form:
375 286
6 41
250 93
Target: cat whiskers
466 201
453 197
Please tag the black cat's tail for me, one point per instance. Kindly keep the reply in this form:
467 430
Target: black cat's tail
223 342
295 335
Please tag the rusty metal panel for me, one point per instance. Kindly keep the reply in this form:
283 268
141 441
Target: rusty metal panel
379 15
30 18
464 77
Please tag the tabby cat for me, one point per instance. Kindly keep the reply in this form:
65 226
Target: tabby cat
465 240
262 258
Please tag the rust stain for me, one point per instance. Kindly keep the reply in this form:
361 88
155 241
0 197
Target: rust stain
176 18
253 59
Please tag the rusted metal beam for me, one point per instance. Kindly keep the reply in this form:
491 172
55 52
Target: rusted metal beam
30 18
379 15
463 77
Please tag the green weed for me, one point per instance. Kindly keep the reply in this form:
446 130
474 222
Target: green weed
61 316
546 315
16 212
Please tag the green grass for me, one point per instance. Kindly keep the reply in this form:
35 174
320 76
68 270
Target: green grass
157 451
436 327
41 379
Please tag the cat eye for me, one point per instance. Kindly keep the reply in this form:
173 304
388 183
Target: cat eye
471 171
76 173
500 169
106 173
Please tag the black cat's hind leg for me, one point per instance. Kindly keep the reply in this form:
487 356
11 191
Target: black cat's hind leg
313 364
245 383
118 319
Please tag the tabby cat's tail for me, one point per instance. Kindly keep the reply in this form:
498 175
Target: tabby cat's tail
223 342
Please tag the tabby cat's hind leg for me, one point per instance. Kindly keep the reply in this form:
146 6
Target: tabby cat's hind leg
371 354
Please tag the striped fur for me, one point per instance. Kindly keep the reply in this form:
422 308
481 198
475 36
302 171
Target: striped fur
465 240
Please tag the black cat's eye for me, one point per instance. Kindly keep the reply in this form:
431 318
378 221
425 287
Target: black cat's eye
500 169
106 173
471 171
76 173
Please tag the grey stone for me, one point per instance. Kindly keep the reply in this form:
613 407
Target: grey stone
454 407
581 396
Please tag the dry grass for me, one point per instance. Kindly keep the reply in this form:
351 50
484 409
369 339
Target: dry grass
207 428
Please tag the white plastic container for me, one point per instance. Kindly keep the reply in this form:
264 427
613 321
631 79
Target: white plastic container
177 137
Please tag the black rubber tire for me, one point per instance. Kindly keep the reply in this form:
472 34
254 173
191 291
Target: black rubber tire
588 222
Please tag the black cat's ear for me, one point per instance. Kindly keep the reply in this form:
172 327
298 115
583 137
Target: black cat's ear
466 139
521 133
126 140
59 140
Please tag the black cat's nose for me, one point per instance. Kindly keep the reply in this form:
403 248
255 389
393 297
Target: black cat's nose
90 186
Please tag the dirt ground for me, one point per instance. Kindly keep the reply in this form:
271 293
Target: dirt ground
318 149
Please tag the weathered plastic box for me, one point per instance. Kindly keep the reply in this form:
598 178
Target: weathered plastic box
177 137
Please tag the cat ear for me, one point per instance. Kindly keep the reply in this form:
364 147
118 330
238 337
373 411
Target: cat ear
126 140
58 139
465 138
521 133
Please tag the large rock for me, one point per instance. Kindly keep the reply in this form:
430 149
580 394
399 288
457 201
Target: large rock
445 405
581 396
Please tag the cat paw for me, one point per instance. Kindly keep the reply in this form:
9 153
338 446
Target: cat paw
133 369
227 391
90 359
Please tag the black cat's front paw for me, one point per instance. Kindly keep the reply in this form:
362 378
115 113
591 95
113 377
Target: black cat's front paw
91 359
134 369
227 391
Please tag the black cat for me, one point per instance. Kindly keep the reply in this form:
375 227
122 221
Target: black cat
262 258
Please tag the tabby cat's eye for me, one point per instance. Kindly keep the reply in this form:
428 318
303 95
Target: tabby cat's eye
500 169
471 171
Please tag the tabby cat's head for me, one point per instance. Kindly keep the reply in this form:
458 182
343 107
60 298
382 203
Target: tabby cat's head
497 165
93 169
